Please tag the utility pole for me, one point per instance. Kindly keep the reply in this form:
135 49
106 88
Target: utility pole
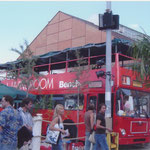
108 66
108 21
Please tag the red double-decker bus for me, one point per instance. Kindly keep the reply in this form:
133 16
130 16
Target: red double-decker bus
63 81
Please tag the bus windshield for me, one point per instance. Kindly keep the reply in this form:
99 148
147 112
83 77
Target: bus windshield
132 103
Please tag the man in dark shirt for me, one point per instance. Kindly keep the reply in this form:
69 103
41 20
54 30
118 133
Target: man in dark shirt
100 135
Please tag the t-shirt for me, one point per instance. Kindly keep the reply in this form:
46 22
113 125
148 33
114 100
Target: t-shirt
101 117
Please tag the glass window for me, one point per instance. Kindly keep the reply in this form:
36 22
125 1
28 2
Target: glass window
43 102
57 99
48 101
69 101
132 103
74 101
92 100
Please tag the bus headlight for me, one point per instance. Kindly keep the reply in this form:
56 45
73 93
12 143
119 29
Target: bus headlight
123 132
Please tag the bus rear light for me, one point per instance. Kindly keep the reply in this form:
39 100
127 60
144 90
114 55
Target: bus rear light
123 132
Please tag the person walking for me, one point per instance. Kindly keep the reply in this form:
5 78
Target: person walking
10 123
57 119
100 135
25 133
89 124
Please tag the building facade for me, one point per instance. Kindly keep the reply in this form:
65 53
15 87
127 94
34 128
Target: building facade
66 31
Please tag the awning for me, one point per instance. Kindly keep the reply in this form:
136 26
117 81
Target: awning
14 93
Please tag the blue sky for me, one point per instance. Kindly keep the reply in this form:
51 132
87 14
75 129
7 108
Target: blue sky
24 20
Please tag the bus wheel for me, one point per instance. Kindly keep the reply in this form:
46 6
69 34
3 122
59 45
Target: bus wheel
72 128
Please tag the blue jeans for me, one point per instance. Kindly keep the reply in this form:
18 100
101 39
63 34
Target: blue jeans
58 146
101 142
8 147
87 142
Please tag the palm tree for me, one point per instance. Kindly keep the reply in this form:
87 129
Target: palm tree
26 72
141 53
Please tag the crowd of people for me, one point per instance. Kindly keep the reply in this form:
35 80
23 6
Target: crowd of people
16 126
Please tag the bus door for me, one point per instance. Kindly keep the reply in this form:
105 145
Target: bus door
101 99
93 99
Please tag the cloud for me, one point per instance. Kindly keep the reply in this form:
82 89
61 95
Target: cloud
94 19
137 27
134 26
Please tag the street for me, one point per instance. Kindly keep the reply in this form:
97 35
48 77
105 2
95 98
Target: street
136 147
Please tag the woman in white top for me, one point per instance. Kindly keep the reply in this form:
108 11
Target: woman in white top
57 119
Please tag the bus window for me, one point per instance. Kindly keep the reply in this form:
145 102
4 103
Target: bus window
92 99
143 104
70 104
132 103
48 101
57 99
71 101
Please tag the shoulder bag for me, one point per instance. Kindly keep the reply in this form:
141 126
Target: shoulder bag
92 137
52 136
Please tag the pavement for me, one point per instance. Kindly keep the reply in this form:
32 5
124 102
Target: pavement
45 146
136 147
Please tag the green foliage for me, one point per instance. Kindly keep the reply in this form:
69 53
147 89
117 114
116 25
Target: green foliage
82 67
43 103
141 53
49 102
24 70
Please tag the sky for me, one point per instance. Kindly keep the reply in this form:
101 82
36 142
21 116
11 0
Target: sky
24 20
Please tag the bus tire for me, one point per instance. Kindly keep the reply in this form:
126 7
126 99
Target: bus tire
72 128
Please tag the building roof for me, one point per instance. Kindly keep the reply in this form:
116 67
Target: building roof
124 32
66 31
